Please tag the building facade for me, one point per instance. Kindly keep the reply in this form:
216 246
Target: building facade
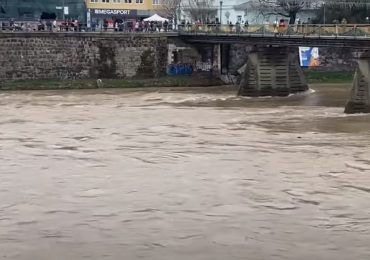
252 12
32 9
122 10
243 10
222 11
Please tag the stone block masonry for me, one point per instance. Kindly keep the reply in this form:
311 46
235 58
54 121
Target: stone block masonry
359 101
81 55
272 71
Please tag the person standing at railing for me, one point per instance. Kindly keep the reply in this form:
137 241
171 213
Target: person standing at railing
206 25
343 25
105 25
281 27
246 26
237 27
49 25
54 25
309 28
186 25
296 25
266 24
145 26
217 25
300 30
197 25
276 28
231 27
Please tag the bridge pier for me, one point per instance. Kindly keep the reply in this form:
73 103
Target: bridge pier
272 71
359 101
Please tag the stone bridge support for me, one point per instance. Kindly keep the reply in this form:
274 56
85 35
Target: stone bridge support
272 71
359 101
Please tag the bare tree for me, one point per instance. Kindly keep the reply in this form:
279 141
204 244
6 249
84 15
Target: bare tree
353 11
353 4
170 9
3 4
203 10
287 8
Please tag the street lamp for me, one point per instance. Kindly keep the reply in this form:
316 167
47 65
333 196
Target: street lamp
221 2
324 14
367 19
63 4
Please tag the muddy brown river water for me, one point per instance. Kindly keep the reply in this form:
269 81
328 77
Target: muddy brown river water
193 173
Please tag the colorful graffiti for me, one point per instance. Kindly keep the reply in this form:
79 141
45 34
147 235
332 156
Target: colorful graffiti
179 69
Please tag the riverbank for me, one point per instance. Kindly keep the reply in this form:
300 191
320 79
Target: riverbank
48 84
313 76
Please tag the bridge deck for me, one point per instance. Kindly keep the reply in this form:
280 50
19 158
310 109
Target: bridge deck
348 36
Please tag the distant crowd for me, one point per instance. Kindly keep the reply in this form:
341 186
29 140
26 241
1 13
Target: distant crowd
42 25
132 26
118 25
71 25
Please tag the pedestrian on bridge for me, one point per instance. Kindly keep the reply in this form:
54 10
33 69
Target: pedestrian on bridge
281 27
237 27
231 27
246 26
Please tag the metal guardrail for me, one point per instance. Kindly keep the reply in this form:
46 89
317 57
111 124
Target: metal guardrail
270 30
298 30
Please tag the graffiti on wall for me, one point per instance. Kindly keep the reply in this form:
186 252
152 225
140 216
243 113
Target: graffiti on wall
179 69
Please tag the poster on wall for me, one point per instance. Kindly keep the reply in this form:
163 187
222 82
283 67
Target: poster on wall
309 56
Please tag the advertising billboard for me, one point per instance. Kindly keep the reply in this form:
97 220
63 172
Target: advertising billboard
109 13
309 56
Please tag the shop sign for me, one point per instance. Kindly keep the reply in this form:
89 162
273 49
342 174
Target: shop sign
113 12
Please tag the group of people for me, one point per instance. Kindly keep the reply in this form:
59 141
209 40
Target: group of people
132 26
279 27
73 25
42 25
214 26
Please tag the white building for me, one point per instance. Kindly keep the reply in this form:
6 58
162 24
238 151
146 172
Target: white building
229 13
226 7
252 12
249 10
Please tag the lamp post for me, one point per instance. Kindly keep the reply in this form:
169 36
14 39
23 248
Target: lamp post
324 14
221 2
367 19
63 6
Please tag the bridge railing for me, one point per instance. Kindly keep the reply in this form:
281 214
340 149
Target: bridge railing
303 30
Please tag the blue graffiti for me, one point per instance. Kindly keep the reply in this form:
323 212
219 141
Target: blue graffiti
179 69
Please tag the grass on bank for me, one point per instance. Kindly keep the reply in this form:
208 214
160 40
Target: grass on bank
329 76
44 84
177 81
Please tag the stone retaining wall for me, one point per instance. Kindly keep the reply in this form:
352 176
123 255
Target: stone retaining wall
81 55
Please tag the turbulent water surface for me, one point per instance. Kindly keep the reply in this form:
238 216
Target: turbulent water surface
183 174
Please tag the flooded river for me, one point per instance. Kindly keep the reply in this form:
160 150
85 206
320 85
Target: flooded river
183 174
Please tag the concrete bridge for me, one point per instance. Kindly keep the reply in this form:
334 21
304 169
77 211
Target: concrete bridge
273 69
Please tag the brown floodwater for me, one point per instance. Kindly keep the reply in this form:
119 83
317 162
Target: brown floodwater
194 173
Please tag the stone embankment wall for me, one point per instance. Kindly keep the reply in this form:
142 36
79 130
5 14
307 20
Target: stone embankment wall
81 55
